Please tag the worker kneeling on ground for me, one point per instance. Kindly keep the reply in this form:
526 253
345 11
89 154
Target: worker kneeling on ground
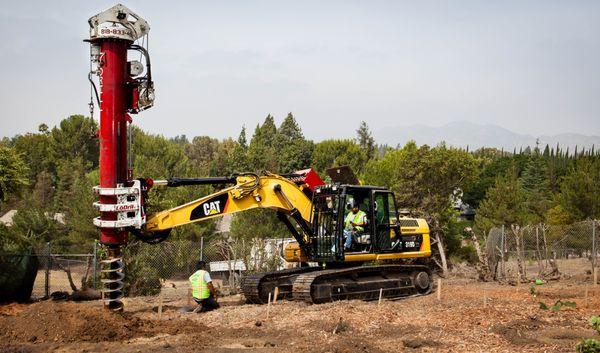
353 223
203 291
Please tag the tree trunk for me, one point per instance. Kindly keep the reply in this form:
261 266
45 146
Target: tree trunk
84 279
538 253
232 279
518 241
68 272
442 252
546 248
552 272
485 272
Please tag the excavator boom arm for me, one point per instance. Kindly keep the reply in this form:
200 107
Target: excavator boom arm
249 192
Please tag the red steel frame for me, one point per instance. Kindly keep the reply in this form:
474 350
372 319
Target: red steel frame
113 128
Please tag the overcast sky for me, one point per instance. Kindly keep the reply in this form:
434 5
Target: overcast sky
530 66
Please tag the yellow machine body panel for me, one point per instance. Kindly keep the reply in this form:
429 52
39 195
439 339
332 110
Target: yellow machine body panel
293 253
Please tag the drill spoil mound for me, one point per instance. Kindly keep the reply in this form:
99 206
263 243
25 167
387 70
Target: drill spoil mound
72 322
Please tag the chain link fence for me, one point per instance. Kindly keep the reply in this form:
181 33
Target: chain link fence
54 268
543 251
146 265
514 253
59 270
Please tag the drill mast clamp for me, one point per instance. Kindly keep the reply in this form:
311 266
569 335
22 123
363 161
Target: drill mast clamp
118 22
129 207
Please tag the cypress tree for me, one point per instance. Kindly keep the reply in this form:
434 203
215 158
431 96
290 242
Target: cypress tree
240 153
366 140
293 151
536 185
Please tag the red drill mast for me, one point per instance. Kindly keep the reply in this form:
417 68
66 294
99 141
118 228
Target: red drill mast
123 90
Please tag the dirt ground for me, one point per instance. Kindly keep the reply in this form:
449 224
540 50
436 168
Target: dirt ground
470 317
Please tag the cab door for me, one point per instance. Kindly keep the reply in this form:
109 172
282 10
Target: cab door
385 219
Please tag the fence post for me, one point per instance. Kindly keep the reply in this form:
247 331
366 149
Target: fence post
594 258
95 263
503 246
201 248
47 274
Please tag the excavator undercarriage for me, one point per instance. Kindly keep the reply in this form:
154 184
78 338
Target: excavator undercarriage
314 285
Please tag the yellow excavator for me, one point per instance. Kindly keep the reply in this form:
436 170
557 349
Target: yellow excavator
314 214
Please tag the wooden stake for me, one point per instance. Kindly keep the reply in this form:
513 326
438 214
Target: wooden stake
595 277
275 295
268 305
189 297
439 289
380 295
586 295
518 283
484 297
160 305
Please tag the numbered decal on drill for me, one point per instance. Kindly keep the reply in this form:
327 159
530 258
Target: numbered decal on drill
214 206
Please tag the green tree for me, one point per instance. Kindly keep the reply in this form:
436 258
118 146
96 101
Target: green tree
261 152
490 167
75 138
43 190
504 204
580 191
201 152
222 163
289 130
34 149
536 187
332 153
13 173
43 129
181 140
257 223
293 150
366 140
423 180
156 157
33 224
69 173
79 213
159 158
239 161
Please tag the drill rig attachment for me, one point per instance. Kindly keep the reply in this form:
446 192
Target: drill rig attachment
124 89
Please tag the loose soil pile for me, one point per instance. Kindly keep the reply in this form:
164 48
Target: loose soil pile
65 322
510 321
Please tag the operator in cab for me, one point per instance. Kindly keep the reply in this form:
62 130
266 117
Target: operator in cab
203 291
353 223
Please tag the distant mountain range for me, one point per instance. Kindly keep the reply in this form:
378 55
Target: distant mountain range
463 134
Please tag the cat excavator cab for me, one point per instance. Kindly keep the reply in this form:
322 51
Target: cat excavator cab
314 213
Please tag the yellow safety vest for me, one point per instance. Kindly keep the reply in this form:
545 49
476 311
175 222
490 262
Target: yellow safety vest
355 218
199 286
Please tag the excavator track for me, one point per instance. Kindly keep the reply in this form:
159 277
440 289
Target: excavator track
256 287
364 282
